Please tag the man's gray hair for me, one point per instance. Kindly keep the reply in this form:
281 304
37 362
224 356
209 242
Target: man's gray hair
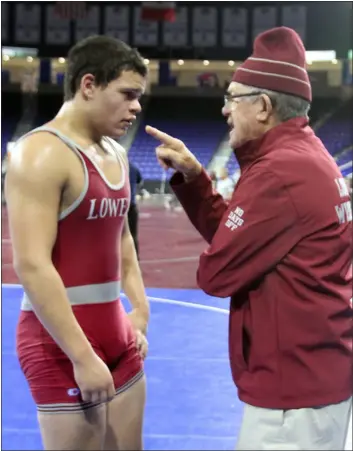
286 106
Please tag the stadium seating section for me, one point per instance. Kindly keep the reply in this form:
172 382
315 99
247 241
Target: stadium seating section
198 122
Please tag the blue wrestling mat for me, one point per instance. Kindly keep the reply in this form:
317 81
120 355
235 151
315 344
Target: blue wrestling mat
192 403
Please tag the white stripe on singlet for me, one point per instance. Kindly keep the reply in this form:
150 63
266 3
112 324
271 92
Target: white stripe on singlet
86 294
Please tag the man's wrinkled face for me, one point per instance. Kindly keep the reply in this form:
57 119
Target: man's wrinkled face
247 112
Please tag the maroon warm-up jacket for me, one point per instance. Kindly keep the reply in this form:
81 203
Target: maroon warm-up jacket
282 250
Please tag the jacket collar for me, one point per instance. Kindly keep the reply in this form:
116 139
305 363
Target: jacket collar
292 129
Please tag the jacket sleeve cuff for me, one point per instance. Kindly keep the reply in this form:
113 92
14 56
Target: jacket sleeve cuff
182 188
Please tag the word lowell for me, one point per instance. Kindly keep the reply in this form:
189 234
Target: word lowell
107 207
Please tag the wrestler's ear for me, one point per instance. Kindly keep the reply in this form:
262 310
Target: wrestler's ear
88 87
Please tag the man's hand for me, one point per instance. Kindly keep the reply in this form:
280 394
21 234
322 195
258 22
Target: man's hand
172 153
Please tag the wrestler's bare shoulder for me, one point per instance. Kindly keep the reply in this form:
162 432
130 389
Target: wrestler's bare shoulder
40 151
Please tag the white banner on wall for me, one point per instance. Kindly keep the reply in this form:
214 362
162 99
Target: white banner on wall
294 16
234 27
264 18
116 22
204 26
57 29
89 24
145 31
175 34
27 23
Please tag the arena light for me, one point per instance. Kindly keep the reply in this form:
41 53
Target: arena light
19 52
180 62
206 63
61 60
320 55
231 63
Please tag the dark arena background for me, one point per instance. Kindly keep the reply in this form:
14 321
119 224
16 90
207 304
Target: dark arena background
191 50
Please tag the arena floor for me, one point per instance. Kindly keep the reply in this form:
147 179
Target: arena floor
192 402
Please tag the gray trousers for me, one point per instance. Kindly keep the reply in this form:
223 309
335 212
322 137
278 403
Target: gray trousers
323 428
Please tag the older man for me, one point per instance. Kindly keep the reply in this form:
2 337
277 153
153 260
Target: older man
282 250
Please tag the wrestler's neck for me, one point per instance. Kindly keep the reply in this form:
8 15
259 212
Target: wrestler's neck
74 118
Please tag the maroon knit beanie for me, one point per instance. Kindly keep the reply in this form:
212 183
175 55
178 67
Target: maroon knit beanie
277 63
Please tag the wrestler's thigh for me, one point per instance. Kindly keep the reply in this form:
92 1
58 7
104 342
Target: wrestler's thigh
125 418
81 430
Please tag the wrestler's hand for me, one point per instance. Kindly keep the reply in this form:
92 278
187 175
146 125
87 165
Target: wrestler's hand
139 320
172 153
141 344
94 379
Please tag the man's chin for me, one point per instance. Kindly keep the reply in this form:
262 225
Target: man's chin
234 143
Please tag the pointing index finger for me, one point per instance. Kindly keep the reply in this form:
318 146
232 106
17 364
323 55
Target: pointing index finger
164 138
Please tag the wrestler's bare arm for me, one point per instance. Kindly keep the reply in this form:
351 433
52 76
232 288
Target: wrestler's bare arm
37 173
131 278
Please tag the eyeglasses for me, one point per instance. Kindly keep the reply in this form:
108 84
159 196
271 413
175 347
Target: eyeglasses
229 98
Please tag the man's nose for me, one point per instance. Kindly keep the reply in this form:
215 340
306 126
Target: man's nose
225 111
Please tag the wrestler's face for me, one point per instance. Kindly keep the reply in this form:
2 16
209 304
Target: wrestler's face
113 108
248 114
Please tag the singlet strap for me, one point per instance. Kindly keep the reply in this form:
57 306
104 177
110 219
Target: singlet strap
78 151
69 142
117 152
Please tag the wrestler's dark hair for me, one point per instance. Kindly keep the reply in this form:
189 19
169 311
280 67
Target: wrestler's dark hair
102 56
